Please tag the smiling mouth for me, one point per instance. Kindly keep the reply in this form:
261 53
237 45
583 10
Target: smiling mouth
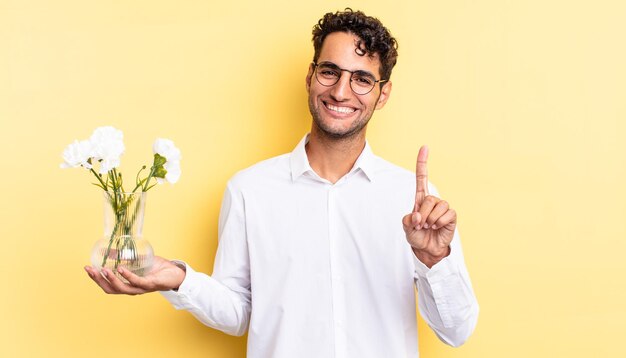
339 109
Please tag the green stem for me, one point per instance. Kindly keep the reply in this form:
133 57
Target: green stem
118 257
108 252
123 228
138 181
152 170
104 186
137 187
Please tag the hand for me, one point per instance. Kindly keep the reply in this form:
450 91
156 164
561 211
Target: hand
430 227
163 276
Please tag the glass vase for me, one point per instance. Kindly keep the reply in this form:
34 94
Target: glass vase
122 243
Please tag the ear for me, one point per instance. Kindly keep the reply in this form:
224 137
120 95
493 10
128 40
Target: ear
385 92
308 78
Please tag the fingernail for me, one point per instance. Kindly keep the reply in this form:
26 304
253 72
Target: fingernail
120 270
434 227
425 226
104 273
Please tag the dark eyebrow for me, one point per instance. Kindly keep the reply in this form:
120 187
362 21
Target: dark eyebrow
365 74
329 64
358 72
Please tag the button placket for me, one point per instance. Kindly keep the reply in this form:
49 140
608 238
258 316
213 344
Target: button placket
338 295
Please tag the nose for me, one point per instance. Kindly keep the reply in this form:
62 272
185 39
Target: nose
342 90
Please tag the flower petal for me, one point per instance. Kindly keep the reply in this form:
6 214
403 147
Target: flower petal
108 146
77 154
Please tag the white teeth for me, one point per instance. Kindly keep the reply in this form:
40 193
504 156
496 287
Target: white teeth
340 109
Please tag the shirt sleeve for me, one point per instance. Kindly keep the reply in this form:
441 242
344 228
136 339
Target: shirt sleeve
446 299
222 300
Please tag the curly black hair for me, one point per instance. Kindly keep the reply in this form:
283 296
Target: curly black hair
374 38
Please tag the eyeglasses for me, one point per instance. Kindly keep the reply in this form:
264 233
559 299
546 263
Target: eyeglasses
361 82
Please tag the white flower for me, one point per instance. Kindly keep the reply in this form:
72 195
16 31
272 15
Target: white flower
167 149
173 172
77 154
108 146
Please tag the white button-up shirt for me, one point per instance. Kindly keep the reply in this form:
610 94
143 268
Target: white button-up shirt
315 269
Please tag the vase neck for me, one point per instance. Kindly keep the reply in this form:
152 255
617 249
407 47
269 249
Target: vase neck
124 213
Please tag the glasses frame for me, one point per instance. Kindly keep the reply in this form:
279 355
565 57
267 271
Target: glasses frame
316 65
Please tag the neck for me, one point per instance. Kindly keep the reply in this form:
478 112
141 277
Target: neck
332 158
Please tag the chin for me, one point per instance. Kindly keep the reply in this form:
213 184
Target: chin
338 133
323 121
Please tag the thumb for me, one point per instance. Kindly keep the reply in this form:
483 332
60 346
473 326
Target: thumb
411 221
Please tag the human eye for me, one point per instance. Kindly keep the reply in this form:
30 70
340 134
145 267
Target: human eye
363 79
328 72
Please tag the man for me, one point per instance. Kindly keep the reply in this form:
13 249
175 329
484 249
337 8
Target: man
320 249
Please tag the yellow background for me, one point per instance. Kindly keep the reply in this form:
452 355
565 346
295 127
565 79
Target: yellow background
522 103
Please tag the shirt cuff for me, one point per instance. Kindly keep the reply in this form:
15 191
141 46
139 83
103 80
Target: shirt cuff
442 268
180 299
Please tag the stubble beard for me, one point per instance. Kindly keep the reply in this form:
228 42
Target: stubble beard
357 127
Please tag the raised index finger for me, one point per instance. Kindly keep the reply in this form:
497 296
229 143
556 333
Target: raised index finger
421 176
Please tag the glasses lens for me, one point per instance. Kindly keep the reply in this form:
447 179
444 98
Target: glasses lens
362 83
327 75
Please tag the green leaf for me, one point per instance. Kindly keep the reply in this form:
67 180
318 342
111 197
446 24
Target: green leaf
159 160
159 173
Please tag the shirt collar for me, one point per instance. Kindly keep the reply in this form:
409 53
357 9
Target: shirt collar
300 162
